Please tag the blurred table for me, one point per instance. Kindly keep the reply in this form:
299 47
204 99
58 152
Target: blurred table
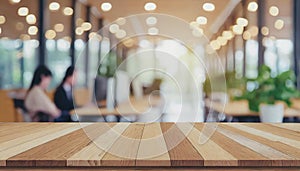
132 107
241 109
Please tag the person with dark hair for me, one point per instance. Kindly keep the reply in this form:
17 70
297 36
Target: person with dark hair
63 97
39 105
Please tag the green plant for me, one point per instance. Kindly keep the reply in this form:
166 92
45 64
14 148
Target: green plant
269 90
108 65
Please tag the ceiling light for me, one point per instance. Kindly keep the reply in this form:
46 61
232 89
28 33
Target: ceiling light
265 31
54 6
237 29
2 19
86 26
145 43
208 6
274 11
14 1
59 27
253 31
128 43
193 24
32 30
68 11
242 21
79 21
19 26
50 34
197 32
150 6
215 45
79 31
120 34
106 6
67 38
114 28
31 19
121 21
222 41
153 31
279 24
252 6
246 35
209 49
0 30
94 35
227 35
201 20
23 11
151 21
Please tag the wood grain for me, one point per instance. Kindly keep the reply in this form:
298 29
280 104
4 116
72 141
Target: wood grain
168 145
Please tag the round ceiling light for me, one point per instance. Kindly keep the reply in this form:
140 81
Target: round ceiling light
106 6
23 11
208 6
252 6
150 6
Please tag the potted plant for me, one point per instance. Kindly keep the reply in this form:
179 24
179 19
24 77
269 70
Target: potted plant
269 93
106 74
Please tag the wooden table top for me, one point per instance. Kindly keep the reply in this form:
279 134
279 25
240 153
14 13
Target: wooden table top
154 144
241 108
131 107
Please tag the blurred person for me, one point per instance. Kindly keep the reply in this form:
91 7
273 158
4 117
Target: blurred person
39 105
63 97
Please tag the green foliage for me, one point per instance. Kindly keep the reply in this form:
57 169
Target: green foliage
108 65
270 89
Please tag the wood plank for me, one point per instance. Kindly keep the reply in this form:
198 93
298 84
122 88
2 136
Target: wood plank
287 133
245 156
93 153
153 150
55 152
290 126
124 151
212 153
267 135
181 151
25 143
283 148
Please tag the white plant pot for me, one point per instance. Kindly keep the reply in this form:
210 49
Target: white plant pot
271 113
110 94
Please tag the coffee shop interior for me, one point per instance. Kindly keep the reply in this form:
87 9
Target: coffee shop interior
149 61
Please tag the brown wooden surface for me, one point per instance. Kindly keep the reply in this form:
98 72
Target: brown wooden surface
165 145
241 108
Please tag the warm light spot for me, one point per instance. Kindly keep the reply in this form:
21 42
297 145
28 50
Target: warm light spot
215 45
0 30
50 34
106 6
279 24
150 6
79 31
54 6
151 21
2 19
68 11
32 30
197 32
227 35
201 20
120 34
114 28
208 6
121 21
59 27
153 31
274 11
252 6
31 19
128 43
193 24
242 22
14 1
238 29
86 26
19 26
222 41
23 11
253 31
265 31
246 35
79 21
24 37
